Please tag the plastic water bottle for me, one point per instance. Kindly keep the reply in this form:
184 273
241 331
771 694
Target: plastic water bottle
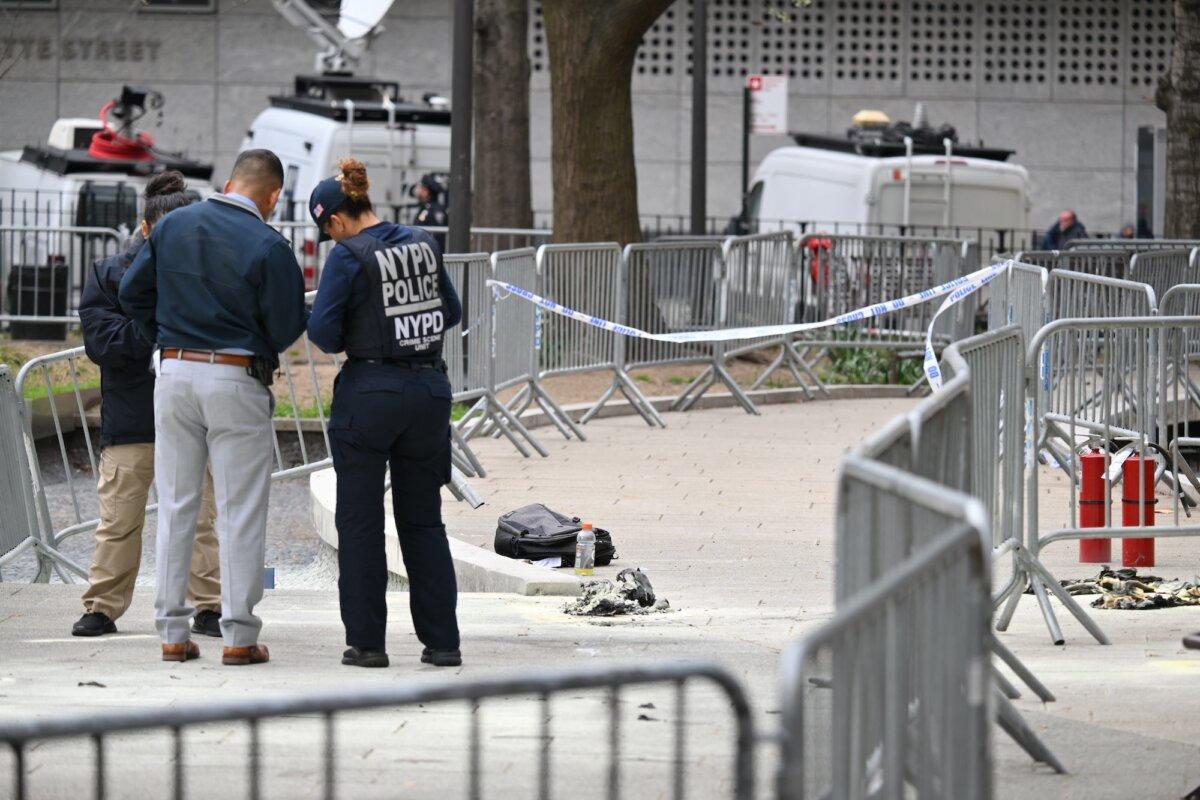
585 551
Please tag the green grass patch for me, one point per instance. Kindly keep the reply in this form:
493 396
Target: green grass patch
285 410
642 378
35 389
678 380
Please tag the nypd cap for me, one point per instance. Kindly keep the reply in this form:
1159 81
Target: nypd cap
327 196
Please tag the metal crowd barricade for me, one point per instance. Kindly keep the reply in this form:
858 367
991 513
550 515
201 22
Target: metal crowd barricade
1123 386
890 698
42 271
516 332
545 691
19 528
844 273
59 400
672 285
1017 296
586 277
491 240
758 287
1132 245
1080 294
936 442
1107 262
1164 269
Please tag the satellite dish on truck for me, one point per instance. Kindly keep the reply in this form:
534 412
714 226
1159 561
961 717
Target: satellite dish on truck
360 17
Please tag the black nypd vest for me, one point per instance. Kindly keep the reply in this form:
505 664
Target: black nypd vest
403 316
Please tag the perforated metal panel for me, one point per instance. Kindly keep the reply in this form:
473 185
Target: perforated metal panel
1151 27
1086 49
867 45
942 43
1089 43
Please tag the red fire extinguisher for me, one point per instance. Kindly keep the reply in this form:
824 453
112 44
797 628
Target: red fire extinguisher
1093 503
1137 508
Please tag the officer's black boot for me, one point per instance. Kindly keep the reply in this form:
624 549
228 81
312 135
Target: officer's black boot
441 658
354 657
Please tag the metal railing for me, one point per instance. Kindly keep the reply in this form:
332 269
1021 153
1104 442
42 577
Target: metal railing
1017 296
1132 245
42 273
1106 262
891 696
1077 294
552 690
1164 269
18 522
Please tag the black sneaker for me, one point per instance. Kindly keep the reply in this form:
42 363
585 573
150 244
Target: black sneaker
93 623
354 657
207 623
442 658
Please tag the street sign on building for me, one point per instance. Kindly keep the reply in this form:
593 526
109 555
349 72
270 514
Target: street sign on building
768 103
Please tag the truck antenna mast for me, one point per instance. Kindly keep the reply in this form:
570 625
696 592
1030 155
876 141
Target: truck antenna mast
342 45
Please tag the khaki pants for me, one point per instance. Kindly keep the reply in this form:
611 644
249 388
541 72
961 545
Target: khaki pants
126 473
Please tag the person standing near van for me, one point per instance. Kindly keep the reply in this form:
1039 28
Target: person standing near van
222 294
114 342
1066 229
386 300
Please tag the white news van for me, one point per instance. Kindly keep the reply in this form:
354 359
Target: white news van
329 117
872 186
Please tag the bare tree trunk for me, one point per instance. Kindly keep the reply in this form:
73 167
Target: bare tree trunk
501 196
592 45
1179 96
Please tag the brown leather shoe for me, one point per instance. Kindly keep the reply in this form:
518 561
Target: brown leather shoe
183 651
239 656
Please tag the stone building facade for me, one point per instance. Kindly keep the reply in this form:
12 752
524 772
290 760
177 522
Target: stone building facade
1066 83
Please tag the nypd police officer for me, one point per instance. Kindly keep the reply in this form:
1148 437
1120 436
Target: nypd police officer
386 300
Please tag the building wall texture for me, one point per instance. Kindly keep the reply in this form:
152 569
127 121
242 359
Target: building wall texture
1066 84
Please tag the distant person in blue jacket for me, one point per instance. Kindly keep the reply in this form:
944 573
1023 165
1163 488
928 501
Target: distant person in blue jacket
1068 228
122 351
220 292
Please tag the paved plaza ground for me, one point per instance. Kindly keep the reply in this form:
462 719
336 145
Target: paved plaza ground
731 516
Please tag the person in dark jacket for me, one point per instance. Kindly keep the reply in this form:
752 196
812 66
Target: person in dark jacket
431 212
386 300
1068 228
220 292
123 352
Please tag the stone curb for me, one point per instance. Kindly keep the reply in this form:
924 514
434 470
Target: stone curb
477 569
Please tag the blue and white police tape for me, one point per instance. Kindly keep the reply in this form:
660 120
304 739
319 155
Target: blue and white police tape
957 289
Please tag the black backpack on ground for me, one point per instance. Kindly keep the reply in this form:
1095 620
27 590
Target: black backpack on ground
536 532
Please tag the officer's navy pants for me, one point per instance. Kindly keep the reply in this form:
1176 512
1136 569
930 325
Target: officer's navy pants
389 415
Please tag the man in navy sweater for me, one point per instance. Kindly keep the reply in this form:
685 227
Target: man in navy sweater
123 352
221 293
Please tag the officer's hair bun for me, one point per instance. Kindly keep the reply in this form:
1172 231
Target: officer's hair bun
169 182
354 178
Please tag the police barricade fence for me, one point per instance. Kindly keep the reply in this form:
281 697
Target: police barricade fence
1132 245
761 286
42 273
586 276
1164 269
490 240
1122 388
936 442
675 284
842 273
592 706
1107 262
1016 296
1080 294
891 697
516 344
18 523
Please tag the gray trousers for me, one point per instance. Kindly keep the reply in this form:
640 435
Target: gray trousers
211 413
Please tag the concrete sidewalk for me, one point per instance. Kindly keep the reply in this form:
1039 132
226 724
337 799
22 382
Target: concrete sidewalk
731 516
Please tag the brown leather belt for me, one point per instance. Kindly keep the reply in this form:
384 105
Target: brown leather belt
208 357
